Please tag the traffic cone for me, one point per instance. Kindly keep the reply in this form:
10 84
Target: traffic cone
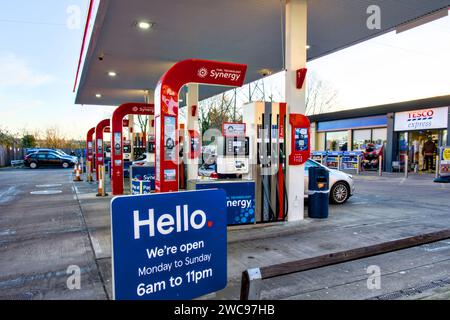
77 174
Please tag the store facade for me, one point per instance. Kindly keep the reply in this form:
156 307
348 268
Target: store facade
413 128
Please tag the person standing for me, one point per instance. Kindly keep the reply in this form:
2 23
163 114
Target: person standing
428 151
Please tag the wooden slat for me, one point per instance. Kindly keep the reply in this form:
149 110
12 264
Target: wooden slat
353 254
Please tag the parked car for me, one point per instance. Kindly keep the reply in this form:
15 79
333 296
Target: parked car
144 159
208 170
57 151
48 159
342 186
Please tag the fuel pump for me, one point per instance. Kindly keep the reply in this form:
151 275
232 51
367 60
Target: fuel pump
266 122
232 156
232 164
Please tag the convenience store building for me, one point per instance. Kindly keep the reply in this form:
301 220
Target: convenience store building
401 127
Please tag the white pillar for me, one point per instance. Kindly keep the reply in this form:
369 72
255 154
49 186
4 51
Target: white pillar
132 134
191 124
296 41
150 98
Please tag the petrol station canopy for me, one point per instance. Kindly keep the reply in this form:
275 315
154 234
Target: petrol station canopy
249 32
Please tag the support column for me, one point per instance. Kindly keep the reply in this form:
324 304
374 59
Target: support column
131 132
192 123
392 143
295 57
448 129
314 137
150 98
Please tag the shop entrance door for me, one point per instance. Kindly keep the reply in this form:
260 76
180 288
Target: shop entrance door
421 147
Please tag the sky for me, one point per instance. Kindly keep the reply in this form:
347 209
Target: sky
39 53
40 48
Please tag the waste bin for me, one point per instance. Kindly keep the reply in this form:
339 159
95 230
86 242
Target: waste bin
318 192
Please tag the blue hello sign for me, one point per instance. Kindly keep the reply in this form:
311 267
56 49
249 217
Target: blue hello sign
169 246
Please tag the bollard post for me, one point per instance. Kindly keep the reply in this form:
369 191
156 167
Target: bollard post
101 181
406 166
89 172
380 166
438 167
339 163
82 164
358 164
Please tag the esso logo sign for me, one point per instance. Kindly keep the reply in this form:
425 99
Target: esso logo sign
421 115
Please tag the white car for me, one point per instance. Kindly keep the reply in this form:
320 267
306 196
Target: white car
145 159
342 186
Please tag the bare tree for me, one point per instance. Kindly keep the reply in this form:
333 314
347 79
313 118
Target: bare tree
143 124
321 97
217 110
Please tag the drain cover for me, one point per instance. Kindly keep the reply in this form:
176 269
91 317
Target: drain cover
48 185
46 192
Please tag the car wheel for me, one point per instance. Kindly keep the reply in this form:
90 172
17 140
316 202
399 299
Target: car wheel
33 165
340 193
65 165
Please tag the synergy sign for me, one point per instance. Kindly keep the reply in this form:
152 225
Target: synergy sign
169 245
232 75
434 118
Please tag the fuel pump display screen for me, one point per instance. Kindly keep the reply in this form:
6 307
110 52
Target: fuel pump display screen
169 138
117 140
236 146
301 139
99 146
126 148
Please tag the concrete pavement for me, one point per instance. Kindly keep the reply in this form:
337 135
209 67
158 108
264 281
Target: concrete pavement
41 235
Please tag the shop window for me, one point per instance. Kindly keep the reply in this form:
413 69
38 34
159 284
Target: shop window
379 136
361 138
337 141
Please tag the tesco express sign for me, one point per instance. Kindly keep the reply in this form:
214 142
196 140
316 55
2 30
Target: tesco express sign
434 118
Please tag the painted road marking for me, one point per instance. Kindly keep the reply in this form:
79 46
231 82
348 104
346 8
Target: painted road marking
8 195
96 245
444 246
44 192
48 185
7 232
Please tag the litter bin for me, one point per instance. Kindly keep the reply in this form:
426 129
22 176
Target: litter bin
318 192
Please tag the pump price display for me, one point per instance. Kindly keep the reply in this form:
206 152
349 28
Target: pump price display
169 246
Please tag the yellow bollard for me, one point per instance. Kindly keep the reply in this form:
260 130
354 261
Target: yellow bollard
89 172
380 166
